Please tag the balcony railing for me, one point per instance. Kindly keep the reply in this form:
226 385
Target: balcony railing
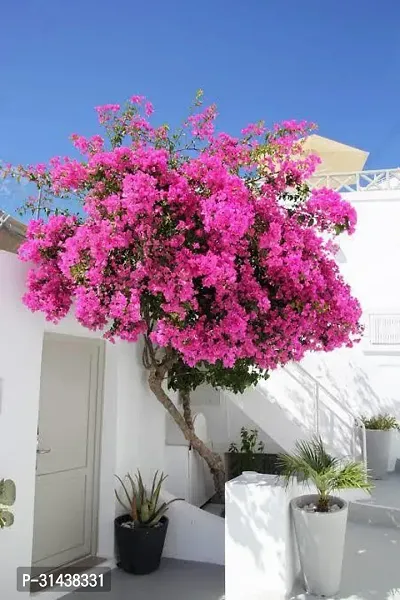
358 181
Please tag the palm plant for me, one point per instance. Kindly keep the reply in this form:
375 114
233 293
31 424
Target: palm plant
313 464
143 507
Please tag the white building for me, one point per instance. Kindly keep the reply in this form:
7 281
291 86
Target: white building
90 405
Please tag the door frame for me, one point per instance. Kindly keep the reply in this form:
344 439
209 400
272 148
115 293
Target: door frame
98 424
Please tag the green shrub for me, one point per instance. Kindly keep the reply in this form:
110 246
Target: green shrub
381 422
248 442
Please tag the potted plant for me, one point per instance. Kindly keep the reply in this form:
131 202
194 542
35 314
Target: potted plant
249 456
140 533
320 519
378 431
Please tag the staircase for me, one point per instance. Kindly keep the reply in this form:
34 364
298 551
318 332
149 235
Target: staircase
292 404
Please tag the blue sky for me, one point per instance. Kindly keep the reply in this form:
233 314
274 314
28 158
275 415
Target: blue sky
333 62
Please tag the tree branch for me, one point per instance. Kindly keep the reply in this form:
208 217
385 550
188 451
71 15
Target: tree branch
187 410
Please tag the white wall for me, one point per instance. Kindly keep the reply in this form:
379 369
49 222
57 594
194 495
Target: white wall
132 435
261 558
194 534
372 252
367 378
21 337
225 418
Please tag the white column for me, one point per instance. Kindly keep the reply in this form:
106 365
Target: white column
260 556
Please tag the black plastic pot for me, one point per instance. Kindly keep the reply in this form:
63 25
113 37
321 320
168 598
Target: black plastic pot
237 462
140 548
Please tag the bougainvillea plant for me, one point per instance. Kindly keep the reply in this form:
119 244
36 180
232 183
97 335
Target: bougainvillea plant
212 248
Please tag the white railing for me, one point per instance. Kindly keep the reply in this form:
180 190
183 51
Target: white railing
318 390
358 181
3 218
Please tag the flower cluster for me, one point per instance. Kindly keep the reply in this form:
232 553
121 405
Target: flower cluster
198 250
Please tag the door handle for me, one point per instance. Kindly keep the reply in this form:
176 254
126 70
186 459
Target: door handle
43 450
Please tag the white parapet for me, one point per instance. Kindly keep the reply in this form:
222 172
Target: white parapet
260 557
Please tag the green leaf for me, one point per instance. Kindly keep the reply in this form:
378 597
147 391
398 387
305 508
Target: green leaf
381 422
314 464
125 490
7 492
162 510
6 518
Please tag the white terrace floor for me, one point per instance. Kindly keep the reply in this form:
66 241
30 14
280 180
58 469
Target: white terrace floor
175 580
371 566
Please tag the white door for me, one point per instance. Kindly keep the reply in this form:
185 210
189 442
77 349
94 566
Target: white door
66 494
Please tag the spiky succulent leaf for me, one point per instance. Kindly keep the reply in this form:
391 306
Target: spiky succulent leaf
142 507
122 503
141 488
153 486
157 490
160 512
129 498
144 512
134 498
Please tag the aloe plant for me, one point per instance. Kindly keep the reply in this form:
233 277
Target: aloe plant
7 499
143 507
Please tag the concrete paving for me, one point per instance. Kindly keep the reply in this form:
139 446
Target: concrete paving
175 580
371 565
386 492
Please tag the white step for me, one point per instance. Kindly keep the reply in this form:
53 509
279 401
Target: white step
386 492
383 506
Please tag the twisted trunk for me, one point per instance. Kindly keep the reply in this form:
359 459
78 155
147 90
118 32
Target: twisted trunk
187 411
185 424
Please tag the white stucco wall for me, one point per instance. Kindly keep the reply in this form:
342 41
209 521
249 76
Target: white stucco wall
261 558
367 378
225 418
132 434
21 337
372 252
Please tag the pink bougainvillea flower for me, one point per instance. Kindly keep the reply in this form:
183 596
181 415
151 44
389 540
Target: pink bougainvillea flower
212 244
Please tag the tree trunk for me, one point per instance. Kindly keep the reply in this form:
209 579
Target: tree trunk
212 459
187 412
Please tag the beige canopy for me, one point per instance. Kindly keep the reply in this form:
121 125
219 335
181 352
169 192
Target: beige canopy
336 157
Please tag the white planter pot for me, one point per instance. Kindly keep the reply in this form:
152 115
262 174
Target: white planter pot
320 540
378 452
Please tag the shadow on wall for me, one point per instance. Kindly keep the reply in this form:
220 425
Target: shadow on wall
345 373
295 395
259 555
